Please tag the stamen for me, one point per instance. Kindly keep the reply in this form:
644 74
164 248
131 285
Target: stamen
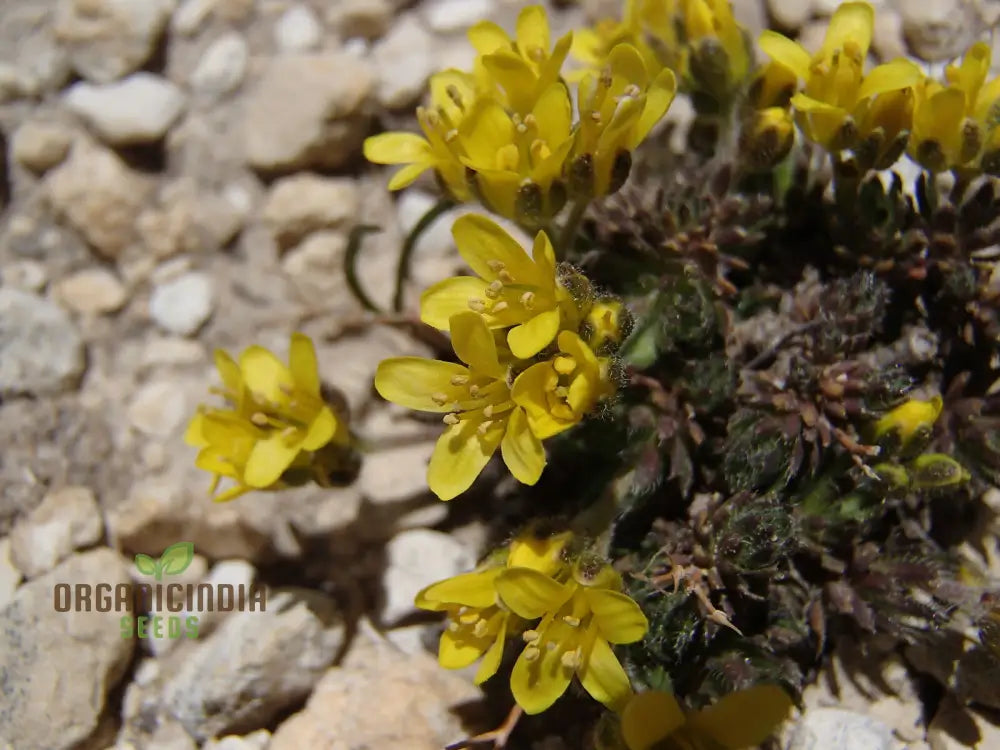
505 276
530 636
596 116
573 622
528 300
481 628
450 419
561 391
470 618
454 627
286 389
474 390
494 289
260 419
459 379
484 427
488 411
499 307
496 266
439 398
451 135
536 54
572 659
477 305
632 90
531 653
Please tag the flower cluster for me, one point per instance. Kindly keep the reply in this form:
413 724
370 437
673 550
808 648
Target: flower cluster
525 374
566 611
892 108
276 429
505 134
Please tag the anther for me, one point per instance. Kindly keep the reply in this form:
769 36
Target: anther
531 653
571 659
480 630
450 419
573 622
477 305
259 419
439 398
488 411
484 427
530 636
494 289
459 379
496 266
499 307
528 300
451 135
632 90
454 627
474 390
504 276
469 618
537 54
561 391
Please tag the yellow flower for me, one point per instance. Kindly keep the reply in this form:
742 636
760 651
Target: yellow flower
524 68
518 161
773 85
767 137
277 419
834 78
738 720
718 53
618 108
911 419
477 623
475 399
606 324
511 290
453 96
579 620
955 123
558 393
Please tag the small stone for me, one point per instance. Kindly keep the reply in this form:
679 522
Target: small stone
41 352
418 558
301 204
365 19
39 146
188 219
447 16
66 520
316 269
26 275
96 194
170 351
789 14
10 576
170 735
938 30
40 647
137 109
158 409
412 709
396 474
308 111
837 729
255 665
182 305
107 39
222 66
404 61
190 16
298 30
92 291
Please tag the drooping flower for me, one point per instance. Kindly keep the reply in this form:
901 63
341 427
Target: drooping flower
835 82
510 289
618 107
516 162
276 418
478 624
954 124
580 618
524 68
478 411
654 719
558 393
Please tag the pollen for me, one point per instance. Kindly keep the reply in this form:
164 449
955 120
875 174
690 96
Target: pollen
477 305
572 659
450 419
494 289
573 622
528 300
530 636
439 398
459 379
484 427
531 653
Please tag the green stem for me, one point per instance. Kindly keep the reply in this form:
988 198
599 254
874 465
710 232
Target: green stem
350 265
403 269
568 233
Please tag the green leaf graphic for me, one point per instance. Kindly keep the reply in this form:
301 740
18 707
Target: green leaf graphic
176 558
145 564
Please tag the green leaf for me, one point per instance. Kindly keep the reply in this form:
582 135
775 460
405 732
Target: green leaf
176 558
145 564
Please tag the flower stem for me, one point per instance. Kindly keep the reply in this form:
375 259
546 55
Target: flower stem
403 268
350 263
569 230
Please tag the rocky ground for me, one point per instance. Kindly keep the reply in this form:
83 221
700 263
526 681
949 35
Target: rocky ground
182 175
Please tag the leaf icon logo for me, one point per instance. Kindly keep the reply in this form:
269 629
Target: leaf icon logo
175 560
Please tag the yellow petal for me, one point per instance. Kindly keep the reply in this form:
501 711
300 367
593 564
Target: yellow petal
480 241
459 457
491 659
544 256
412 381
618 617
302 363
459 650
489 130
488 37
531 594
783 50
269 459
447 298
805 103
533 30
529 338
521 450
264 374
193 435
541 554
474 589
229 371
650 717
744 719
474 344
396 148
659 97
603 677
530 391
626 62
537 684
321 430
407 175
852 22
892 76
554 113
